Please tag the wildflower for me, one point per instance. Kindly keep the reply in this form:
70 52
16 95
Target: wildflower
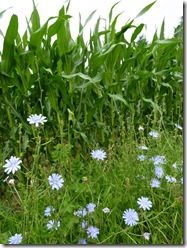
182 180
12 165
155 183
90 207
144 203
92 232
98 154
84 224
36 119
53 225
143 147
178 126
106 210
158 160
158 171
11 182
130 217
174 165
82 241
48 211
146 235
154 134
56 181
16 239
170 179
141 157
81 212
140 128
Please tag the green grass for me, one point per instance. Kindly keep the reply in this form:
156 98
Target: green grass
94 95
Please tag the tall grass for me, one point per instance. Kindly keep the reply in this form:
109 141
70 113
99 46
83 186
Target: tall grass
94 94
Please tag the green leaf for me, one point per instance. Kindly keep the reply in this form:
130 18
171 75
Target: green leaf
144 10
136 32
8 45
118 97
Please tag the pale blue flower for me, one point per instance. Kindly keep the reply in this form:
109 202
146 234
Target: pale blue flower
130 217
106 210
36 119
84 224
16 239
155 183
146 235
82 241
53 225
81 212
154 134
141 157
143 147
92 232
170 179
56 181
159 171
98 154
144 203
12 165
49 210
158 160
90 207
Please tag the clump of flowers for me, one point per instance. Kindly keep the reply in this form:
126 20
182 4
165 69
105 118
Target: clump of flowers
144 203
159 171
130 217
16 239
158 160
36 119
56 181
170 179
82 241
98 154
12 165
81 212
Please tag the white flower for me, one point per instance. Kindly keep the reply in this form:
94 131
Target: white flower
178 126
140 128
84 224
12 165
154 134
56 181
36 119
144 203
182 180
141 157
53 225
130 217
81 212
49 210
98 154
90 207
158 160
92 232
82 241
16 239
11 182
106 210
159 171
170 179
174 165
146 235
143 147
155 183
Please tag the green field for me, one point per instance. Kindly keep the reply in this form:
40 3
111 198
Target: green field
91 137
